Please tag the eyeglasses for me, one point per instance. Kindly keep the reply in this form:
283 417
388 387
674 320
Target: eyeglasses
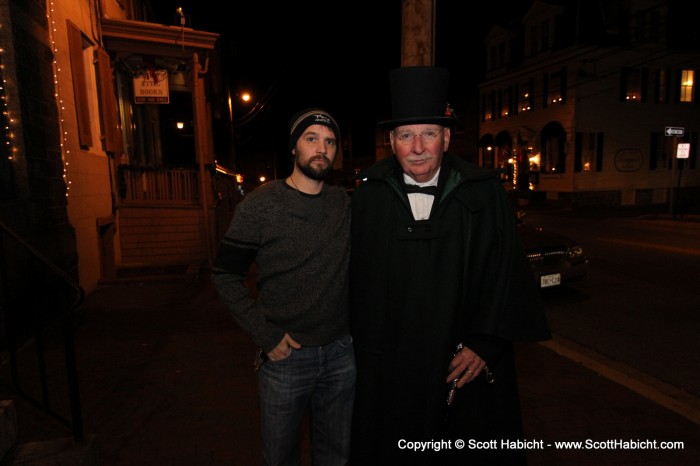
427 136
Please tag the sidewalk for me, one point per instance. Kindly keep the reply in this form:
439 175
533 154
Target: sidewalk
657 214
166 379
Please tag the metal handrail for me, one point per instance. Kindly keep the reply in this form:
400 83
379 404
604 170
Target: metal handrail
21 263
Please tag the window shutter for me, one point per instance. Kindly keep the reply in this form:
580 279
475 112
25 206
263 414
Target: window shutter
108 104
77 66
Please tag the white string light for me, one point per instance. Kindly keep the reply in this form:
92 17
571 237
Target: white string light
8 121
65 151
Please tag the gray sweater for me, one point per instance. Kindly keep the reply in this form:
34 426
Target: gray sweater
300 246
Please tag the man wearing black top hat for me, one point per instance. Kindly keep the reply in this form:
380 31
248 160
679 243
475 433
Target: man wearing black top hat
440 288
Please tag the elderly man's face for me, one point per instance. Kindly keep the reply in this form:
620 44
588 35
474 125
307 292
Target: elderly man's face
419 149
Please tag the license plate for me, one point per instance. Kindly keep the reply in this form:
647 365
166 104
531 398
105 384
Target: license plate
550 280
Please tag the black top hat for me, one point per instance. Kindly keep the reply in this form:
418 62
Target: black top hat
418 95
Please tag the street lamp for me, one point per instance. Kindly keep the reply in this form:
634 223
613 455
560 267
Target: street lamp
244 96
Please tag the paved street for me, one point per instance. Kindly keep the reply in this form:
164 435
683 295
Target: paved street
638 303
166 379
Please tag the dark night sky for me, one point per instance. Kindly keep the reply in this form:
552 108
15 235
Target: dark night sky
304 54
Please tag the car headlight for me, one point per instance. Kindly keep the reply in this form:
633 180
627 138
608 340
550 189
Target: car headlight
575 251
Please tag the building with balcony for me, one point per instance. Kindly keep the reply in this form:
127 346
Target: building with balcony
107 164
108 156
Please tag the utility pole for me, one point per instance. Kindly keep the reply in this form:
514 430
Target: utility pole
418 32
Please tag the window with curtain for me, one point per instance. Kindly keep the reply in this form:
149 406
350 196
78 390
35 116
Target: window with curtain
687 86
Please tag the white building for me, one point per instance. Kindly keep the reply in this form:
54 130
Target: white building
587 104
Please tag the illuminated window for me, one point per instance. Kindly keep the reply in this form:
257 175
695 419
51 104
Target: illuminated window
488 106
553 149
487 157
633 85
555 86
588 152
553 153
506 96
525 98
687 87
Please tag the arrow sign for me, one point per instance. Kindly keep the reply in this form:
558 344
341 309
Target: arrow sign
674 131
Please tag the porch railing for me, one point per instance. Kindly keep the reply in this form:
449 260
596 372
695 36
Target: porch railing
157 185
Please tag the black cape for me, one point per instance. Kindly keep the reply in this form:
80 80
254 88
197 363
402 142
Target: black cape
417 289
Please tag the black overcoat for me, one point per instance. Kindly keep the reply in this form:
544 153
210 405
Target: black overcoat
417 289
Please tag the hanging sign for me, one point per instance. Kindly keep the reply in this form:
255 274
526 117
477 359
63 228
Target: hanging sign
683 150
151 87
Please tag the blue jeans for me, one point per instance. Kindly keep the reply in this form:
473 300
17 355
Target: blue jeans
322 377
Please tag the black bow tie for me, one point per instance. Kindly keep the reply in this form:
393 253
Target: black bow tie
431 190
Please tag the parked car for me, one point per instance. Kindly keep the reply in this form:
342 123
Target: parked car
555 259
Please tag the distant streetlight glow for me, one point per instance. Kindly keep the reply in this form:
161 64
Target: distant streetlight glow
245 97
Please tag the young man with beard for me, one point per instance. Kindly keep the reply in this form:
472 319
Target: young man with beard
296 231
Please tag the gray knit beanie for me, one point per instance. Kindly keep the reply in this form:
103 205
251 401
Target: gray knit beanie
308 117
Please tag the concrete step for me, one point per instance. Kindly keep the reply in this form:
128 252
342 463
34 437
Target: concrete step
63 451
8 426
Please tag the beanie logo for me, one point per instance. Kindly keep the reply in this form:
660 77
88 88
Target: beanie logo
322 119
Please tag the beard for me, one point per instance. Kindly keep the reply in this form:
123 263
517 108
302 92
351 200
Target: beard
315 173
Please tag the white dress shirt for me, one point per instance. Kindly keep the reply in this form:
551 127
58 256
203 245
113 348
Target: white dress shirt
421 203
